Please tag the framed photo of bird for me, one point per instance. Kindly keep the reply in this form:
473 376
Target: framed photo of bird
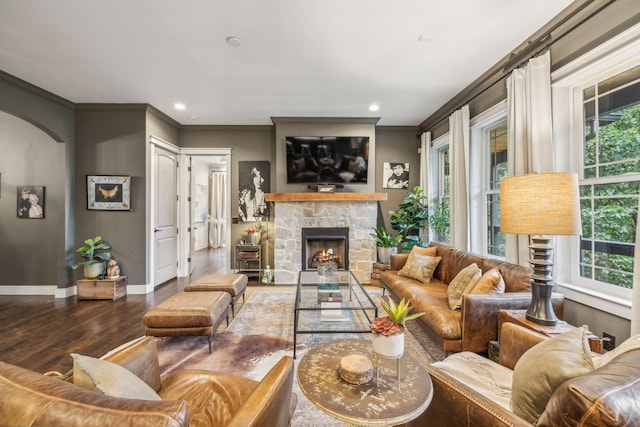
109 192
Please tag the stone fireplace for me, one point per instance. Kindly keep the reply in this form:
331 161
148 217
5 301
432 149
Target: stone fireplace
354 212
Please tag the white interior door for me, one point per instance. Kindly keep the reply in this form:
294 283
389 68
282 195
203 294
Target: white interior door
165 231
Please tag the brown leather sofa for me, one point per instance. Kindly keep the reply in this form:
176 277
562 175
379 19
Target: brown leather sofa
189 397
606 396
476 323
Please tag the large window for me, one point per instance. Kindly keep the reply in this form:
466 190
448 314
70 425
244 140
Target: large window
610 181
497 148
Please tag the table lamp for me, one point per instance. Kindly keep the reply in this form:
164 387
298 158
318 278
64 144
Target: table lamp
540 205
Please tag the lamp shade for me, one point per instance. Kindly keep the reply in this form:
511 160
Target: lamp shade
539 204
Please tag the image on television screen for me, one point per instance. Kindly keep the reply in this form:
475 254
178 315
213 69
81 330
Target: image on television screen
327 159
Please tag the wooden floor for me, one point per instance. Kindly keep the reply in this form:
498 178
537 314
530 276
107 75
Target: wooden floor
39 332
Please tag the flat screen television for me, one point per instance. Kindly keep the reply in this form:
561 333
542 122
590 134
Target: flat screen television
327 159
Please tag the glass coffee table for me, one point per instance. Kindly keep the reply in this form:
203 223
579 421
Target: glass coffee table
331 303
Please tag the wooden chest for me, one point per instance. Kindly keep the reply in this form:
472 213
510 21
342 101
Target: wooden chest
102 289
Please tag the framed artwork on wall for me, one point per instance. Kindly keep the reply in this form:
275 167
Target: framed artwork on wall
254 183
201 207
30 201
395 175
109 192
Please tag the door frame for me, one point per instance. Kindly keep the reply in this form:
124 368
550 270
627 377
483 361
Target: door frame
184 217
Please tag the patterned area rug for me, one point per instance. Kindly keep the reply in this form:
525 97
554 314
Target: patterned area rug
260 334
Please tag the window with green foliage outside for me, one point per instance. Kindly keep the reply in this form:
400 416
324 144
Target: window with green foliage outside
610 184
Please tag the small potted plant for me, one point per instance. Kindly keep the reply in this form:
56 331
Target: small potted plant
388 331
386 243
96 252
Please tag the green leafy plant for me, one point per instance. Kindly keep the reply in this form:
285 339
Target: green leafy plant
94 250
397 316
411 213
439 221
384 239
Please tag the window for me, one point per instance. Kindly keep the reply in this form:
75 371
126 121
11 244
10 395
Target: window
439 221
610 178
497 147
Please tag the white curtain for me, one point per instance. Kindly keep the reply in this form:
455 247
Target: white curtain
459 149
635 298
425 150
530 138
217 220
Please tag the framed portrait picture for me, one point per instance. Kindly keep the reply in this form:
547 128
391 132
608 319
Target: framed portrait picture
395 175
30 201
109 192
254 184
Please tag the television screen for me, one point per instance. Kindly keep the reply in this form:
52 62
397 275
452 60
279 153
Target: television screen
327 159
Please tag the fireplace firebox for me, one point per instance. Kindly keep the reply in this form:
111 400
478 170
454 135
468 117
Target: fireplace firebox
321 243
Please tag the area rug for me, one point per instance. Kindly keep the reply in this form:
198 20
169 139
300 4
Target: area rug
260 334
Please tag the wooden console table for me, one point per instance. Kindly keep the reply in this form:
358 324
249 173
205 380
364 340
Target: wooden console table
102 289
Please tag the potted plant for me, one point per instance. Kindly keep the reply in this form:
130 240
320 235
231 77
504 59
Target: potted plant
410 216
388 331
386 243
96 252
254 233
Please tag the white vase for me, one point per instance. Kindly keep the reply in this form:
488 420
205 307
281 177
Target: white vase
385 254
253 238
93 271
391 346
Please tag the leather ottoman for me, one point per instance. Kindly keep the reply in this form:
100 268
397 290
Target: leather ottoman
188 314
233 284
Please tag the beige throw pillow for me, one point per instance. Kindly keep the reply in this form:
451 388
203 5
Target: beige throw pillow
462 284
545 366
420 267
109 378
491 282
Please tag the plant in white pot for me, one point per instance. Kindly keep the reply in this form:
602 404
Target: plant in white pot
388 331
386 243
96 252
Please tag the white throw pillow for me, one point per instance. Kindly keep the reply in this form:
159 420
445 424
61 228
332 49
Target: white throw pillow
109 378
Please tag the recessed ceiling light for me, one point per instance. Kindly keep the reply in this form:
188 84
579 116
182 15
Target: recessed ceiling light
374 107
424 38
234 41
179 106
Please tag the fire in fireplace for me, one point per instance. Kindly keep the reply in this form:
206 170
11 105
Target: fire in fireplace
323 244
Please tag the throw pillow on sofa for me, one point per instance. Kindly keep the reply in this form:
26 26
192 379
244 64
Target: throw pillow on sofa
109 378
420 267
462 284
491 282
431 250
545 366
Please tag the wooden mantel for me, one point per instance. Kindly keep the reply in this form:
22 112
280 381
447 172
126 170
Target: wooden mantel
325 197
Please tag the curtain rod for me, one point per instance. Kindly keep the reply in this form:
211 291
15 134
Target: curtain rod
517 60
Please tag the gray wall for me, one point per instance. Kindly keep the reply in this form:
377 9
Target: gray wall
35 251
111 140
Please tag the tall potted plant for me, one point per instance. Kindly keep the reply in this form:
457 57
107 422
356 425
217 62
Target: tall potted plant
410 215
439 221
96 252
386 243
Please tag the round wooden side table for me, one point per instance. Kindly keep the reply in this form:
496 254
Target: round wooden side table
376 403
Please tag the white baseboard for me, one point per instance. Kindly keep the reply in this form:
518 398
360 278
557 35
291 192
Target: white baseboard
28 290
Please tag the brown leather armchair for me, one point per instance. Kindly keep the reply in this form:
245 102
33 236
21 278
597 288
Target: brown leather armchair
606 396
189 397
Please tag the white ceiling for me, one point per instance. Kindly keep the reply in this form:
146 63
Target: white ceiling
322 58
